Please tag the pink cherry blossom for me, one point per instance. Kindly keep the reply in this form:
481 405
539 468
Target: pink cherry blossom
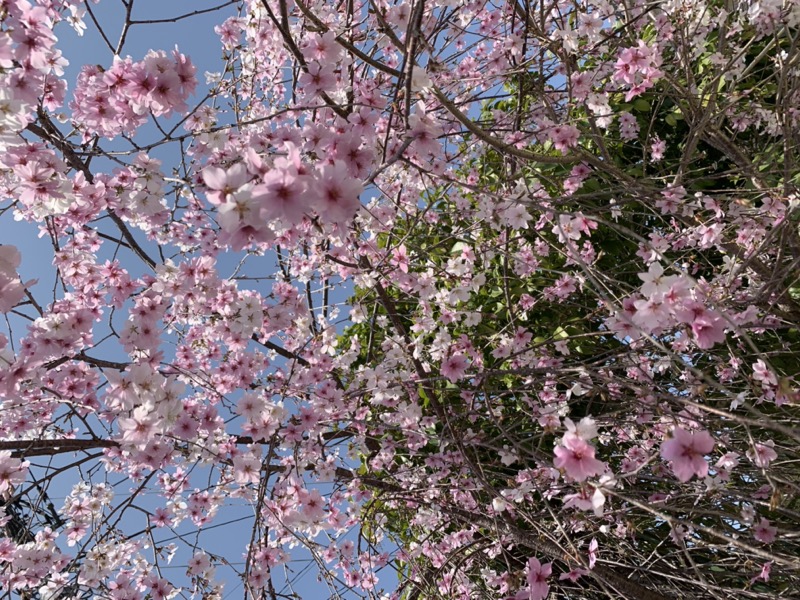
13 472
638 67
764 574
586 428
576 457
708 329
12 291
593 545
282 195
455 367
335 193
586 499
564 137
536 577
657 149
762 454
573 575
763 374
140 427
655 282
318 78
224 182
686 450
628 126
246 469
764 532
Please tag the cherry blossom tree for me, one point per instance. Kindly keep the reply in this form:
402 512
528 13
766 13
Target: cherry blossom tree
448 299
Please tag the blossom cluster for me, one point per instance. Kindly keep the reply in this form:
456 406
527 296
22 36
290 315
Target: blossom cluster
668 301
120 99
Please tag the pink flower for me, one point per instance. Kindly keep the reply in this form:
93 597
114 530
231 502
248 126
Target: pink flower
454 367
160 588
587 498
323 48
185 71
400 258
318 78
586 429
537 578
762 373
74 534
566 229
708 329
764 532
199 564
576 458
573 575
687 450
140 427
166 93
141 83
7 548
763 454
6 51
637 66
764 575
564 137
336 193
11 292
12 471
657 149
162 517
9 258
651 314
246 469
655 282
313 505
628 126
282 196
224 183
593 545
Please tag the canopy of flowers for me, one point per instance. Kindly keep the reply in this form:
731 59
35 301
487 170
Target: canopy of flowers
447 298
